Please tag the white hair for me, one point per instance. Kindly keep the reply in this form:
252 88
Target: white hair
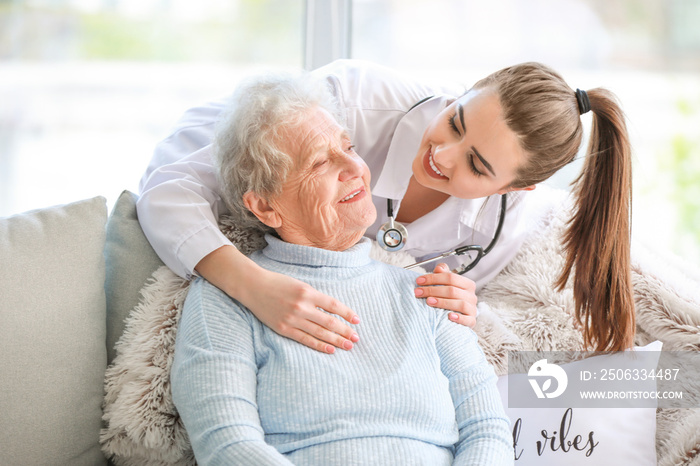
248 147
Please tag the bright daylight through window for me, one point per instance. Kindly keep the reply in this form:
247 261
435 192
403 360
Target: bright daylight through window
89 86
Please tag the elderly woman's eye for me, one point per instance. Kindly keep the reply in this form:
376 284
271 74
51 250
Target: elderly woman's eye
320 163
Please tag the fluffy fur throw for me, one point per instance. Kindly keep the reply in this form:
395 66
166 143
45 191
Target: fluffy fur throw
518 310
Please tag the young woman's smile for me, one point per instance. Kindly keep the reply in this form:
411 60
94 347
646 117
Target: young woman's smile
431 168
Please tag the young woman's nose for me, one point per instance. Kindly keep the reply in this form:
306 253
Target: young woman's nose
443 154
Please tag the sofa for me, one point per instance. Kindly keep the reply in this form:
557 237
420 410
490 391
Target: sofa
70 275
73 275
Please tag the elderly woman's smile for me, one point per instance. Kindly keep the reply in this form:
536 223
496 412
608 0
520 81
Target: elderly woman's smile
325 201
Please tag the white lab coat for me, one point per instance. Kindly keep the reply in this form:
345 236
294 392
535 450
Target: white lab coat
179 201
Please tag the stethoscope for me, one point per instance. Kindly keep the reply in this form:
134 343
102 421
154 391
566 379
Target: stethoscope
392 236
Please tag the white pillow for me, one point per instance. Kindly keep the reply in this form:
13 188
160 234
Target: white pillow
582 436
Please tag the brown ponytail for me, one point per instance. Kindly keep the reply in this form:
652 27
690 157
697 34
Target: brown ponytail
543 111
597 241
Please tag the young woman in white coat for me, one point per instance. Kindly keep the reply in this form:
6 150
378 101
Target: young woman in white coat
437 156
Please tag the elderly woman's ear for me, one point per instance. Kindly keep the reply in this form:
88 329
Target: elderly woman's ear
262 209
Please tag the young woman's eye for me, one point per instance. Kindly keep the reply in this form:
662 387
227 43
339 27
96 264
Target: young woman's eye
452 124
472 166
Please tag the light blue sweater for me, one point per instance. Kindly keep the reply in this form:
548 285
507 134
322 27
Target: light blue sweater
416 388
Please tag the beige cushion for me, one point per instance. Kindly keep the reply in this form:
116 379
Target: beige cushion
52 335
130 262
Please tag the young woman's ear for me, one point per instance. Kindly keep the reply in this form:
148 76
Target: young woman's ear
262 209
510 190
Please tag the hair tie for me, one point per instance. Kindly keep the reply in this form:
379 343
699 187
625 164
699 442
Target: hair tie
584 105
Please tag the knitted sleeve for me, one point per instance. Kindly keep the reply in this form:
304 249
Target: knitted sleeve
484 429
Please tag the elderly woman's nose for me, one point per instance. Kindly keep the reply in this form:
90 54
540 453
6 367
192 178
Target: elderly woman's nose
352 167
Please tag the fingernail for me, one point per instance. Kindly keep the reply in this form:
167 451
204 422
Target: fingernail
330 349
347 345
355 320
355 338
453 317
420 280
419 292
432 301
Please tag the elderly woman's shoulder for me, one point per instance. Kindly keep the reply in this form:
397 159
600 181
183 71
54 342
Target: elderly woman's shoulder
396 276
398 258
205 296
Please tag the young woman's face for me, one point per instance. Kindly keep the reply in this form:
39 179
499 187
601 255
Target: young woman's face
468 151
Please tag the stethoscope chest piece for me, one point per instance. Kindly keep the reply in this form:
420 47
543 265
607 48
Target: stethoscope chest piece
392 235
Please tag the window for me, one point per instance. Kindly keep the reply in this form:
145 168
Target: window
88 87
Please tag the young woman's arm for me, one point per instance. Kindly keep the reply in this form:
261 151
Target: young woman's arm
286 305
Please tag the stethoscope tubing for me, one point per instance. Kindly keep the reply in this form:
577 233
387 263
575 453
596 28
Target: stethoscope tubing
465 249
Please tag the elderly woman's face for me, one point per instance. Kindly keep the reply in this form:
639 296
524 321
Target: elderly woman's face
325 201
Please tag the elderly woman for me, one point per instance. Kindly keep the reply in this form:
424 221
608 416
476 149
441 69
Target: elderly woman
416 389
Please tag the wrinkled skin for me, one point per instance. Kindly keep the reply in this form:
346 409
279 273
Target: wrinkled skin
325 200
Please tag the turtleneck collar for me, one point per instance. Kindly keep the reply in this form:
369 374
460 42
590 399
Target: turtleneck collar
288 253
